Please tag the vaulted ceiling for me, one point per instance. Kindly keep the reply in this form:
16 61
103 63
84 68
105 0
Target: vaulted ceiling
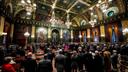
78 9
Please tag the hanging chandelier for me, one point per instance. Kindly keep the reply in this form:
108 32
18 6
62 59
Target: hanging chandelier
92 23
93 19
55 22
68 23
104 5
53 19
28 5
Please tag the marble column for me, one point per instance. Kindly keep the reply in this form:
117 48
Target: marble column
33 33
12 31
102 33
72 36
2 24
88 35
49 34
2 20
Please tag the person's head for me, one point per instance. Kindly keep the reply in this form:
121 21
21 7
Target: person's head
96 52
7 60
29 55
39 55
114 52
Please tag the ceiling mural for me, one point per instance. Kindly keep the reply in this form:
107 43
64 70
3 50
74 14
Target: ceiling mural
78 10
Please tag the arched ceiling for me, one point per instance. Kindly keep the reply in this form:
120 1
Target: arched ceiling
79 10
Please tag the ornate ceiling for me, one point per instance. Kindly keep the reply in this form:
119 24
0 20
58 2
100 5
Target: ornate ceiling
79 10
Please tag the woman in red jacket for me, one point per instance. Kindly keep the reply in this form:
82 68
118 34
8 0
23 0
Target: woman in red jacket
7 67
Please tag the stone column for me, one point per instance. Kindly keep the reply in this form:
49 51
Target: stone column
12 31
49 34
72 36
33 33
2 24
61 35
2 20
88 35
102 33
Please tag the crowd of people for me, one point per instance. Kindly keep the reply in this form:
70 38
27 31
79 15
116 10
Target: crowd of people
75 57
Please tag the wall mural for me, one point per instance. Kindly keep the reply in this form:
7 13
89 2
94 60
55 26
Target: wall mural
41 35
66 35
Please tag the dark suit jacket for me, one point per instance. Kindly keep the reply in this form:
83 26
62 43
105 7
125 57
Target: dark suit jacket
60 62
30 65
45 66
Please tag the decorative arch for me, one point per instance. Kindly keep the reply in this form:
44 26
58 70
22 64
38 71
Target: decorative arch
15 14
75 22
85 18
77 19
55 29
9 5
55 35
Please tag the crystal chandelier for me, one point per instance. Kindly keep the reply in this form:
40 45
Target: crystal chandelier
68 23
28 5
92 23
93 19
54 22
53 19
103 5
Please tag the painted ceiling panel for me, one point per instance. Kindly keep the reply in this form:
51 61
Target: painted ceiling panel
79 8
66 4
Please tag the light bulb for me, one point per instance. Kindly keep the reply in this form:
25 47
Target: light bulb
91 8
22 1
109 0
34 5
28 13
28 1
104 10
99 1
98 5
92 13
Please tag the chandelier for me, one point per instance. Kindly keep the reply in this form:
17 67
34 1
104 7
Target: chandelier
92 23
68 23
103 5
28 5
55 21
93 19
125 31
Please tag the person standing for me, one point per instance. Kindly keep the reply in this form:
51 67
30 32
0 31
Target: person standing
44 65
107 60
60 62
98 62
7 66
29 64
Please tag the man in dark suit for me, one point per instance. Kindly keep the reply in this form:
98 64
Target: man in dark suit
60 62
45 65
29 64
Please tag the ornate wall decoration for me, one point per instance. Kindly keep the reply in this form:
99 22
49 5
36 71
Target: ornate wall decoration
41 35
111 11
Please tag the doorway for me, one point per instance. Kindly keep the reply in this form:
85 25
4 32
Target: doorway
55 36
